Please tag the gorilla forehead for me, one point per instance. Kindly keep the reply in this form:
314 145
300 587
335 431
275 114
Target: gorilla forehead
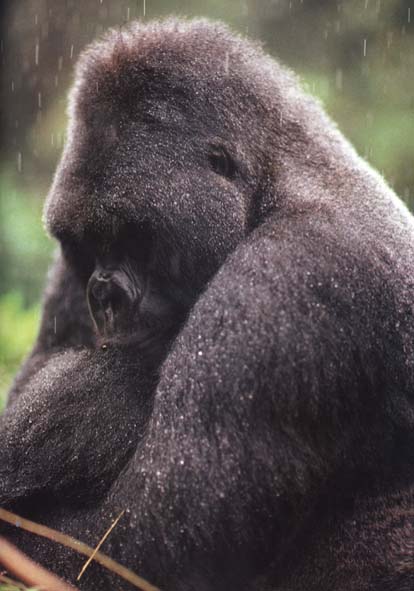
181 59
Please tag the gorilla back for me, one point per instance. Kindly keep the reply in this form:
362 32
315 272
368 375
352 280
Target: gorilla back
231 313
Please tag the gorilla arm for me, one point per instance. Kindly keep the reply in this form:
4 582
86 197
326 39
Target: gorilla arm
272 394
74 426
50 401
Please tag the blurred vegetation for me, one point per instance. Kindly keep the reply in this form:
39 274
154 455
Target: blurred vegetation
16 587
18 326
356 55
24 256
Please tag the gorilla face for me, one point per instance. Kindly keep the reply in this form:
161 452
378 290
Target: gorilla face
137 288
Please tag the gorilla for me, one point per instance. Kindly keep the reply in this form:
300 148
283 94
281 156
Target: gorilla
227 345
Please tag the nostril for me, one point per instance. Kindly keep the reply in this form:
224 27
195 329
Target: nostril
101 285
104 276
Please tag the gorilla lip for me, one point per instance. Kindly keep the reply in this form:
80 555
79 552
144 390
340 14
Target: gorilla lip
112 297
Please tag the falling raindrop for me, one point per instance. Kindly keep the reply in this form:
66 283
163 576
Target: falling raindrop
19 162
226 63
339 79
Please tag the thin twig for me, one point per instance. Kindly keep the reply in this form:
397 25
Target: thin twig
101 541
80 547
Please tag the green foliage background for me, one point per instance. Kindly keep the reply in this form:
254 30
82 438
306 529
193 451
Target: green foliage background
24 255
357 56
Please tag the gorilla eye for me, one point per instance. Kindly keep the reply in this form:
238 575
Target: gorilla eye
221 163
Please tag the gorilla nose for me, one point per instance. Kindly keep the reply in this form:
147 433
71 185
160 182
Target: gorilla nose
101 285
104 275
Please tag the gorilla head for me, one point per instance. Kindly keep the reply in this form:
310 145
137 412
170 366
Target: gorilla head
139 150
250 278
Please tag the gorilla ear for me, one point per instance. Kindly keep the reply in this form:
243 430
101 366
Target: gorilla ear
221 162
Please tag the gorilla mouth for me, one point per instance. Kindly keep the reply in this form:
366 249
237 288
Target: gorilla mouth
127 304
113 301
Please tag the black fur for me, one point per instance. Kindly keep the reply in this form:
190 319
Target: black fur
258 426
